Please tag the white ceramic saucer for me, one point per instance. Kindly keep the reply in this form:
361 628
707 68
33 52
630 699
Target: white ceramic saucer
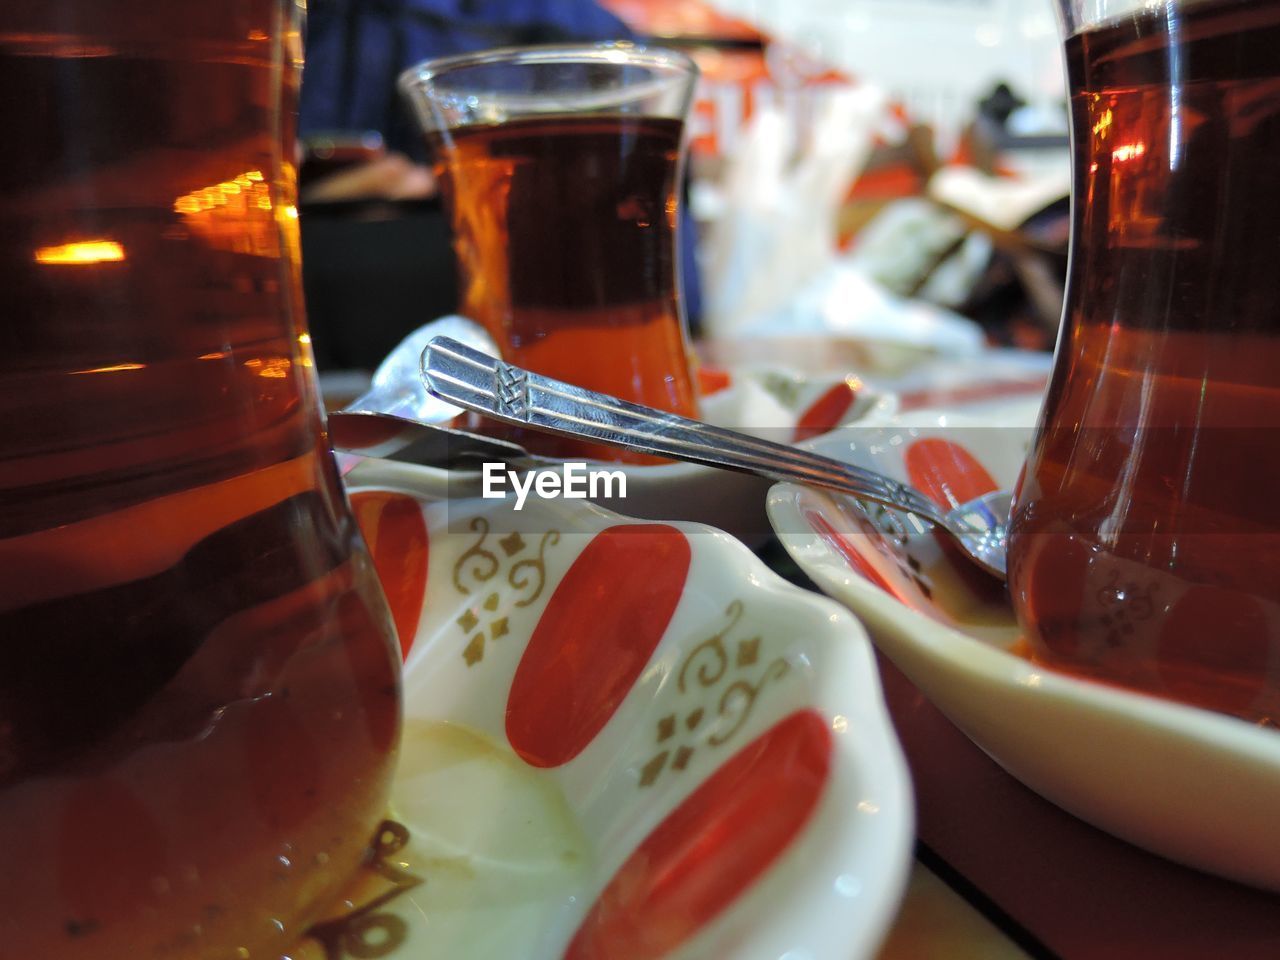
1197 787
622 740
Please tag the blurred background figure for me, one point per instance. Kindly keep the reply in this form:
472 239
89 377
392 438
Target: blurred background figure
356 49
376 245
343 166
954 214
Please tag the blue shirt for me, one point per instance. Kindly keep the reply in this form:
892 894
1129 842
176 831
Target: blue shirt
357 48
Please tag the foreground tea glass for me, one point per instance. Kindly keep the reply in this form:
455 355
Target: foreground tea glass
560 167
198 686
1146 541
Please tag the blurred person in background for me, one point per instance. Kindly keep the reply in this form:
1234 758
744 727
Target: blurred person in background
356 49
375 270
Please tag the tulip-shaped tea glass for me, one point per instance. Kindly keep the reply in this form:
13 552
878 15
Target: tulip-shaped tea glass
1145 545
561 168
199 687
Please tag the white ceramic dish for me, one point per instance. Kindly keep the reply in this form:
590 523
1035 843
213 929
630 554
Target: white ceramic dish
622 740
1194 786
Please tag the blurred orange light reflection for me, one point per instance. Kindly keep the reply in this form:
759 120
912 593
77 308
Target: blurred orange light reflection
114 368
271 367
234 215
81 252
1128 151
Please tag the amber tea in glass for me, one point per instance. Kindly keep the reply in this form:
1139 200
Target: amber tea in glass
1146 540
199 705
560 167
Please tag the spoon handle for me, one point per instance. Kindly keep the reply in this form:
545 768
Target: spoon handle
477 381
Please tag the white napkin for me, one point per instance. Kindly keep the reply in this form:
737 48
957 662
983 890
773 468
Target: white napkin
772 267
777 230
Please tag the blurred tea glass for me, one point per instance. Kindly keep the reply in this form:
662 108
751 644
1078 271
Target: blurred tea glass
1146 540
199 704
561 167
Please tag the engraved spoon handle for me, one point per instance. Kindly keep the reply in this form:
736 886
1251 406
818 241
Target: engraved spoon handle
477 381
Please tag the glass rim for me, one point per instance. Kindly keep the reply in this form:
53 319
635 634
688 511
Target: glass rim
626 52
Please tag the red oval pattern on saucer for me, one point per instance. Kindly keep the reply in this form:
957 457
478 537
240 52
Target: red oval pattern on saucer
852 557
594 639
946 472
713 380
826 412
712 847
397 537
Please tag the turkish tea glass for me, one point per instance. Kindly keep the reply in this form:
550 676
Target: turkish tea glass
1145 544
199 682
560 168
